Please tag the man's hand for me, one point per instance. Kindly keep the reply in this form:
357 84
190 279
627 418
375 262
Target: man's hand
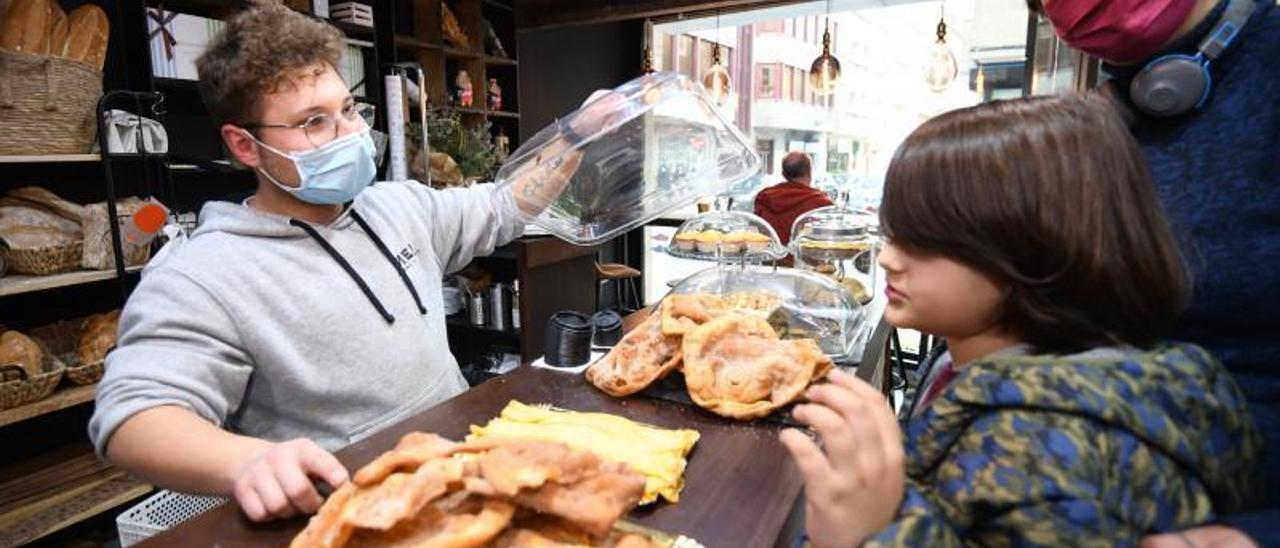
1209 536
854 484
276 483
538 184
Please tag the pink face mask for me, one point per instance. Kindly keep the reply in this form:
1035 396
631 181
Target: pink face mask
1119 31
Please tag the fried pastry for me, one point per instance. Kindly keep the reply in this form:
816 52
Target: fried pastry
641 357
466 494
401 496
681 313
458 521
736 366
414 449
326 529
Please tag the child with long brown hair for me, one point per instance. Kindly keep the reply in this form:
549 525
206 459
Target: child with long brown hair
1028 234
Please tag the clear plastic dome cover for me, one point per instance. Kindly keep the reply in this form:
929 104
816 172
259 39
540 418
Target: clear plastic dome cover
726 236
840 243
831 233
649 146
798 304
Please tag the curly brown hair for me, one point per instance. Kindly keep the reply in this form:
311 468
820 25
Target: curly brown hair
263 48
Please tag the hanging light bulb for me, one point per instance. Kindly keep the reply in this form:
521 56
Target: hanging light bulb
825 72
716 79
940 69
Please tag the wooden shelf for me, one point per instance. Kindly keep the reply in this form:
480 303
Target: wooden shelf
352 30
456 53
59 400
72 158
499 5
411 42
214 9
176 83
460 323
48 159
499 61
55 490
503 114
469 110
14 284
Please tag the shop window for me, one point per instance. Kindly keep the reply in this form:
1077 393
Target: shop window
770 27
684 54
764 147
767 85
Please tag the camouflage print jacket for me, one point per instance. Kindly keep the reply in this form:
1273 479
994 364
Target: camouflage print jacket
1075 451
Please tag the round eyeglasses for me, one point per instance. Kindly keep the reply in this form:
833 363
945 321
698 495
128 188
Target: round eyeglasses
322 128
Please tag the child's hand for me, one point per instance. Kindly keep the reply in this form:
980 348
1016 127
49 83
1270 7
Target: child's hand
854 488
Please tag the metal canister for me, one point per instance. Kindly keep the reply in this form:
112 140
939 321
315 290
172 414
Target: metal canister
499 307
515 304
475 308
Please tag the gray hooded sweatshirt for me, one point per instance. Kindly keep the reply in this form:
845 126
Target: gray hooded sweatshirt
278 329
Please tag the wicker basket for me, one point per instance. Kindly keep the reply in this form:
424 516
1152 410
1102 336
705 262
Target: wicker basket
45 260
61 339
25 389
47 104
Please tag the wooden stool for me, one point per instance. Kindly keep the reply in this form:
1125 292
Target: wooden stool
624 278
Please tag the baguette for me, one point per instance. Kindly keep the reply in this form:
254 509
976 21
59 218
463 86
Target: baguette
59 27
26 26
87 42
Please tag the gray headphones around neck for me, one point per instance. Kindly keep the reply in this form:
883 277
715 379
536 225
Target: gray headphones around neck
1174 84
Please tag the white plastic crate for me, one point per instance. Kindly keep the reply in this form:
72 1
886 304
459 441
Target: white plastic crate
160 512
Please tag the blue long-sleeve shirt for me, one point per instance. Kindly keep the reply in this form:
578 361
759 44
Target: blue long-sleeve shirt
1218 173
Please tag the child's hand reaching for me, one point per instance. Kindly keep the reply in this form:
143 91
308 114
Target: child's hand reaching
853 489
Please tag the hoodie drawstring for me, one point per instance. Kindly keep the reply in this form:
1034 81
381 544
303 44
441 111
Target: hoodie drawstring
404 276
368 293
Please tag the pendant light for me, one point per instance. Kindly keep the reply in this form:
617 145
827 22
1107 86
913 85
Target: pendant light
716 79
940 69
825 72
647 67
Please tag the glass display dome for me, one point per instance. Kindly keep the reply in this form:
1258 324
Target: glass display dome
797 303
727 236
840 243
654 144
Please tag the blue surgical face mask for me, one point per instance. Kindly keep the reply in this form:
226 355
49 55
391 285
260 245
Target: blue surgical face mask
332 174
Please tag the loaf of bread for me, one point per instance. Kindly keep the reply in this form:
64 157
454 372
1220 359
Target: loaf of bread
87 41
59 28
18 349
20 213
26 26
98 337
48 201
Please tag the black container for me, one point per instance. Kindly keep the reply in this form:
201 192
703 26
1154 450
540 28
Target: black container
607 327
568 339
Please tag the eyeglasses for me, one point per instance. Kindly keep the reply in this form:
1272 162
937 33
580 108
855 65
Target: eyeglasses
322 128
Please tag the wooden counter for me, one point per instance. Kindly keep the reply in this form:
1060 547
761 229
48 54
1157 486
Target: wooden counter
741 484
742 489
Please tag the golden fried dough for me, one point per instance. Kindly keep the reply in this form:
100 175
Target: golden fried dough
681 313
456 522
326 529
641 357
736 366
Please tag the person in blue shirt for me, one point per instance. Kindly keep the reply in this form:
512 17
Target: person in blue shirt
1201 80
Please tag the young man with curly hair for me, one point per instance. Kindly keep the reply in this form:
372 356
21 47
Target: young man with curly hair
310 315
